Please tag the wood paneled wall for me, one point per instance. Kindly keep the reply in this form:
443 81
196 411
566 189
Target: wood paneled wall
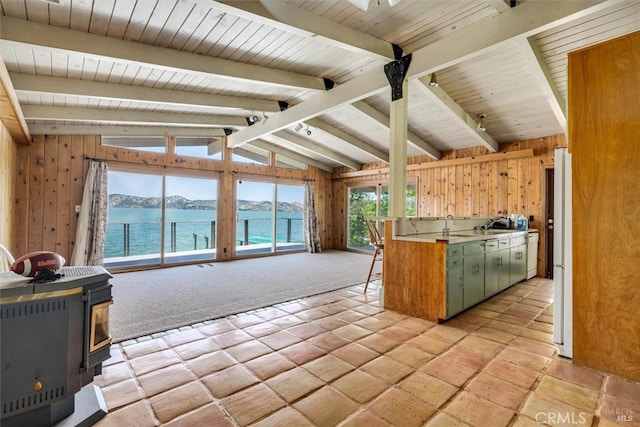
8 156
604 139
472 188
51 173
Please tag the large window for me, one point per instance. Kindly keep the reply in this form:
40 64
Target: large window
371 201
269 217
159 219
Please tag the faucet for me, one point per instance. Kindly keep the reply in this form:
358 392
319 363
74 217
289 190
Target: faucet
445 230
488 225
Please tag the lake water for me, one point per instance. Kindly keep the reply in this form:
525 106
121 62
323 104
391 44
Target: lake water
145 229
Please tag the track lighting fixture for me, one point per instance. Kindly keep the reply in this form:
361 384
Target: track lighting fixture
298 127
480 127
434 80
308 131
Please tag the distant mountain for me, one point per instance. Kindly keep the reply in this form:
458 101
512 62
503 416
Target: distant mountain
179 202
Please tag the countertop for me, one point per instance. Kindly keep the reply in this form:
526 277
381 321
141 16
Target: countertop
460 236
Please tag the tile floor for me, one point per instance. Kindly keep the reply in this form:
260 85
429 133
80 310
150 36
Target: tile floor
341 359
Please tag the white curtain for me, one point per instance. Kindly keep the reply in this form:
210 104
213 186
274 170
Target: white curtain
311 231
92 221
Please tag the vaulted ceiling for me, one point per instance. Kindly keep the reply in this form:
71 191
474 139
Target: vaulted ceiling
204 68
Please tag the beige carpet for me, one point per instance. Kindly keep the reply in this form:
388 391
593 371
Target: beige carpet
158 300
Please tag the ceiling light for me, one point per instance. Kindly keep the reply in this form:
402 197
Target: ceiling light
434 80
480 127
298 127
366 4
308 131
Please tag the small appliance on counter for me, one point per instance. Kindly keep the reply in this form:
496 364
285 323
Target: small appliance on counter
502 224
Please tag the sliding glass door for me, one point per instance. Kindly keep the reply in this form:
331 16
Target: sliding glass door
160 219
269 217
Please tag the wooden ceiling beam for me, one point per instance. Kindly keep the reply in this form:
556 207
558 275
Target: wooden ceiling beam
120 92
113 130
291 154
38 112
437 95
314 147
384 120
10 111
484 36
13 30
287 17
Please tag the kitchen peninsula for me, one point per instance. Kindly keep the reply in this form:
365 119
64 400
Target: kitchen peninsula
434 268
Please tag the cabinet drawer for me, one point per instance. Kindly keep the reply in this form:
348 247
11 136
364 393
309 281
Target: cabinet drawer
454 250
517 241
473 248
454 262
504 243
491 245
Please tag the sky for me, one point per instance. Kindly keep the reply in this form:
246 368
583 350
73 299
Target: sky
147 185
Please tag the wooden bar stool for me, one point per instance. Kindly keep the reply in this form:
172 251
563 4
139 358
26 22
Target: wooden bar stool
378 244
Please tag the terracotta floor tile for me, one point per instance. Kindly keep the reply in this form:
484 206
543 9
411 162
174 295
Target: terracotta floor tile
371 323
231 338
271 313
332 308
462 325
391 316
523 358
280 340
328 341
294 384
579 375
261 329
116 355
467 357
504 326
571 394
210 363
252 404
164 379
269 365
623 411
141 412
368 309
444 420
379 343
429 344
360 386
476 411
387 368
494 335
515 374
196 348
416 324
497 391
293 307
518 312
283 418
364 418
532 346
536 335
622 388
410 355
448 370
216 327
481 312
545 318
311 314
401 408
122 393
446 333
552 412
151 362
112 374
178 401
326 407
472 319
531 306
229 380
428 388
330 323
541 326
183 337
352 332
515 320
328 367
210 414
483 346
288 321
350 316
524 421
355 354
302 352
248 350
399 333
142 349
306 331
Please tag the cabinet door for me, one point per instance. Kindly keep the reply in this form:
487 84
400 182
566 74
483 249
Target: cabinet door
455 290
473 279
503 269
491 272
518 264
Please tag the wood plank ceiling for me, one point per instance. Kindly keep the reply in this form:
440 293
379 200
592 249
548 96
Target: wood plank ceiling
197 67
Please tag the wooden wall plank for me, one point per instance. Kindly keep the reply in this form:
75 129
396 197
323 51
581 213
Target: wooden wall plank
63 209
35 193
49 192
8 187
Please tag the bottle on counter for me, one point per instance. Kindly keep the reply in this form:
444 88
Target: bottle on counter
522 223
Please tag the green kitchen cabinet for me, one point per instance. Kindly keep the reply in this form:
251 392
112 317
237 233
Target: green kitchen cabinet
473 279
518 264
496 266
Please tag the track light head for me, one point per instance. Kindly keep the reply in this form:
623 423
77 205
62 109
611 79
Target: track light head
480 127
298 127
433 82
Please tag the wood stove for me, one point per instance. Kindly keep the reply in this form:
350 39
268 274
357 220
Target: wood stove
54 337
